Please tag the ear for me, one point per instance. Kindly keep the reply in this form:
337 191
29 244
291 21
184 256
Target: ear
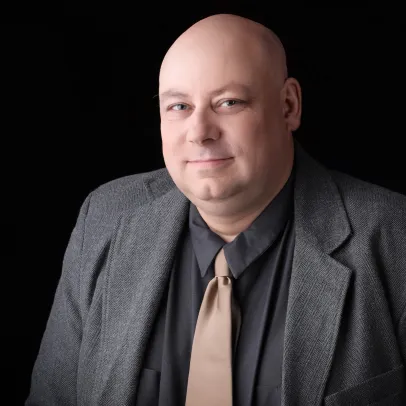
292 103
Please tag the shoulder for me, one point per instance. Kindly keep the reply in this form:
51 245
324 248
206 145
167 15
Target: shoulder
124 193
105 204
371 203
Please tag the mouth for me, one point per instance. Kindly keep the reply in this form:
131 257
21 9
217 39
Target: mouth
210 163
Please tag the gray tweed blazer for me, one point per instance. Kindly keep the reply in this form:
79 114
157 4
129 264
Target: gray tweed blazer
345 337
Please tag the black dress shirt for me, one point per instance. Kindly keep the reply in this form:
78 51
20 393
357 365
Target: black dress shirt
260 260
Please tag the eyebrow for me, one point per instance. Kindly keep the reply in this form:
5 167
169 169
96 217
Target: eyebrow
230 86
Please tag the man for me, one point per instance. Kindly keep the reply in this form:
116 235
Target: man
244 272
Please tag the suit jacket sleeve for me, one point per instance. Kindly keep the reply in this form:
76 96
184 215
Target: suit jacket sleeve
53 380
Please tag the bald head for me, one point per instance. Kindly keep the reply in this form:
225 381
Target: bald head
243 36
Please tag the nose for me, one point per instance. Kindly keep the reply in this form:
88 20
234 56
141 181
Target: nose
202 127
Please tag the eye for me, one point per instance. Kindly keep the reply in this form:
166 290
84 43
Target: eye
232 102
177 105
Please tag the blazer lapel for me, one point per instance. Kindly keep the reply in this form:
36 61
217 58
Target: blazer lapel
140 264
318 285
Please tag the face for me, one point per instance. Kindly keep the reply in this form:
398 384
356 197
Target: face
218 101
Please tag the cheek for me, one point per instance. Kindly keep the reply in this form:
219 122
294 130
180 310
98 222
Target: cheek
256 139
249 134
171 150
169 136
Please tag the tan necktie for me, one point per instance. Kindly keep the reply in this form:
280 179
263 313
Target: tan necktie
210 380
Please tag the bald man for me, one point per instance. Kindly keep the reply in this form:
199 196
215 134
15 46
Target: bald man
315 259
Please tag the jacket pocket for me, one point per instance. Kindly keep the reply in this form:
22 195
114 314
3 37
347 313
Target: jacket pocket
148 388
381 390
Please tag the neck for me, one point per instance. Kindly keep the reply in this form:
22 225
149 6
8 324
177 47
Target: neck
228 228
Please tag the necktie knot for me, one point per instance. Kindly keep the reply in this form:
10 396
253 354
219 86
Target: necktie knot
220 264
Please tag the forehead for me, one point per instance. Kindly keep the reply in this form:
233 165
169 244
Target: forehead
210 66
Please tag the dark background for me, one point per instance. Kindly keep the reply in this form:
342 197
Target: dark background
78 111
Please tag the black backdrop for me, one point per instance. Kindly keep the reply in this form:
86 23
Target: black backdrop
78 110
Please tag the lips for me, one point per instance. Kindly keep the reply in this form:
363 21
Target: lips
213 164
209 160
